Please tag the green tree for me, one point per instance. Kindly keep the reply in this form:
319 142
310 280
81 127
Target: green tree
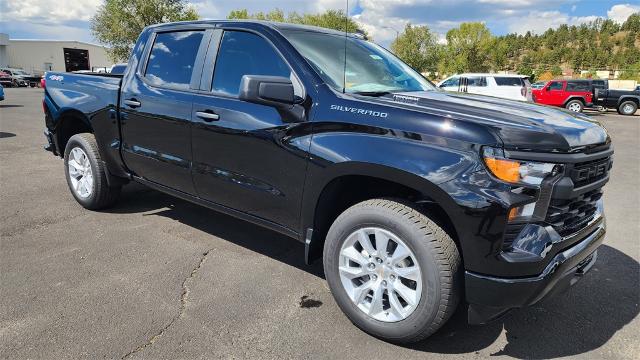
332 19
467 48
118 23
418 47
556 71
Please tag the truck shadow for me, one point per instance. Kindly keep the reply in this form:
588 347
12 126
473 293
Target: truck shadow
582 319
136 198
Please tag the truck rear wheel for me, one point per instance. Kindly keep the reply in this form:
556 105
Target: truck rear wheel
575 105
86 175
392 270
627 108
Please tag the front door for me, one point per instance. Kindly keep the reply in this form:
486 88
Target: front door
246 156
156 111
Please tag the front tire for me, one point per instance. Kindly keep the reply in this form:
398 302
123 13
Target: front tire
575 106
86 173
627 108
392 270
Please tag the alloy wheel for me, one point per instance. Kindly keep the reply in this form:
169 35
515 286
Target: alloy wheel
380 274
80 173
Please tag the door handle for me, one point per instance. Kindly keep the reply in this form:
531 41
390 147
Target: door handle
207 116
132 103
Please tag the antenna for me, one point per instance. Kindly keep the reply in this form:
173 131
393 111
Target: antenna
346 31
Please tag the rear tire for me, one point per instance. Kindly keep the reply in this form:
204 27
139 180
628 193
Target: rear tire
627 108
432 259
575 106
86 174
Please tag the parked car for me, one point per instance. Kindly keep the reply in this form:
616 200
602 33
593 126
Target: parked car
387 179
18 76
5 79
514 87
1 93
625 101
574 95
538 85
638 88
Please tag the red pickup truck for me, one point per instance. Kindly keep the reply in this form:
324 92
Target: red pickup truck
574 95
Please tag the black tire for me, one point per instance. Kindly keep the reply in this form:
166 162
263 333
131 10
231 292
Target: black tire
102 195
627 108
436 254
577 104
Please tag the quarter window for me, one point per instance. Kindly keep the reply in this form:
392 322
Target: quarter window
578 86
242 53
172 58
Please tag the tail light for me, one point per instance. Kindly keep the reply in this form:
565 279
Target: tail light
43 82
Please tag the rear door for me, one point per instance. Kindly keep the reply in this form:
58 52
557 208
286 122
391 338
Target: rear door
247 156
156 106
510 87
476 85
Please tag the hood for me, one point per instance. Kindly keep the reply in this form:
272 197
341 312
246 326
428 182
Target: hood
520 125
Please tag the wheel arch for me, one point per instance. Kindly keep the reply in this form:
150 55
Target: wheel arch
623 99
69 123
353 182
575 97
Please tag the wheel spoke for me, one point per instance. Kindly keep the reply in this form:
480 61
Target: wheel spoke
395 305
354 255
74 168
359 293
409 295
382 240
410 272
352 272
365 242
376 302
399 254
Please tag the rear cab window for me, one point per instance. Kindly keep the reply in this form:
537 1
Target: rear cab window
172 58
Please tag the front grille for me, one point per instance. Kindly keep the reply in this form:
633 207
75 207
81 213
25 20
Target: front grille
588 172
569 216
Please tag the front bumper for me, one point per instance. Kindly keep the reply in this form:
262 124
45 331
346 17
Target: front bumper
490 297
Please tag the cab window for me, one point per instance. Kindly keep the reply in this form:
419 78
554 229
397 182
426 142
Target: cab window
172 58
243 53
477 81
555 85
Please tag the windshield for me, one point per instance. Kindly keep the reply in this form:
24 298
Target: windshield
19 72
369 67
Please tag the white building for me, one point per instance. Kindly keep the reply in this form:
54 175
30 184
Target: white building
36 56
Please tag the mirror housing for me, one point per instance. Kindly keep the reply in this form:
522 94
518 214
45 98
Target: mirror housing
276 91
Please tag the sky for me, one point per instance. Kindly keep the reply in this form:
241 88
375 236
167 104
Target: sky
69 19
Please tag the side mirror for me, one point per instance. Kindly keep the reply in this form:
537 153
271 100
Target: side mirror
276 91
548 88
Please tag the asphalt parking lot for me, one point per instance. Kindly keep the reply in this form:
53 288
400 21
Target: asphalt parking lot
157 277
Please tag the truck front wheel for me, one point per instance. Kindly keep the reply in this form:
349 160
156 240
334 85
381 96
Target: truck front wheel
86 174
392 270
627 108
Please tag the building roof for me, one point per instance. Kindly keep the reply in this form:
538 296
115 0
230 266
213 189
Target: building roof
54 40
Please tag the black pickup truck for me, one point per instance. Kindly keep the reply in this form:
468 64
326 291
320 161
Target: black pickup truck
625 101
415 199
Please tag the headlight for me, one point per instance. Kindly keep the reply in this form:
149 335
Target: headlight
517 171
